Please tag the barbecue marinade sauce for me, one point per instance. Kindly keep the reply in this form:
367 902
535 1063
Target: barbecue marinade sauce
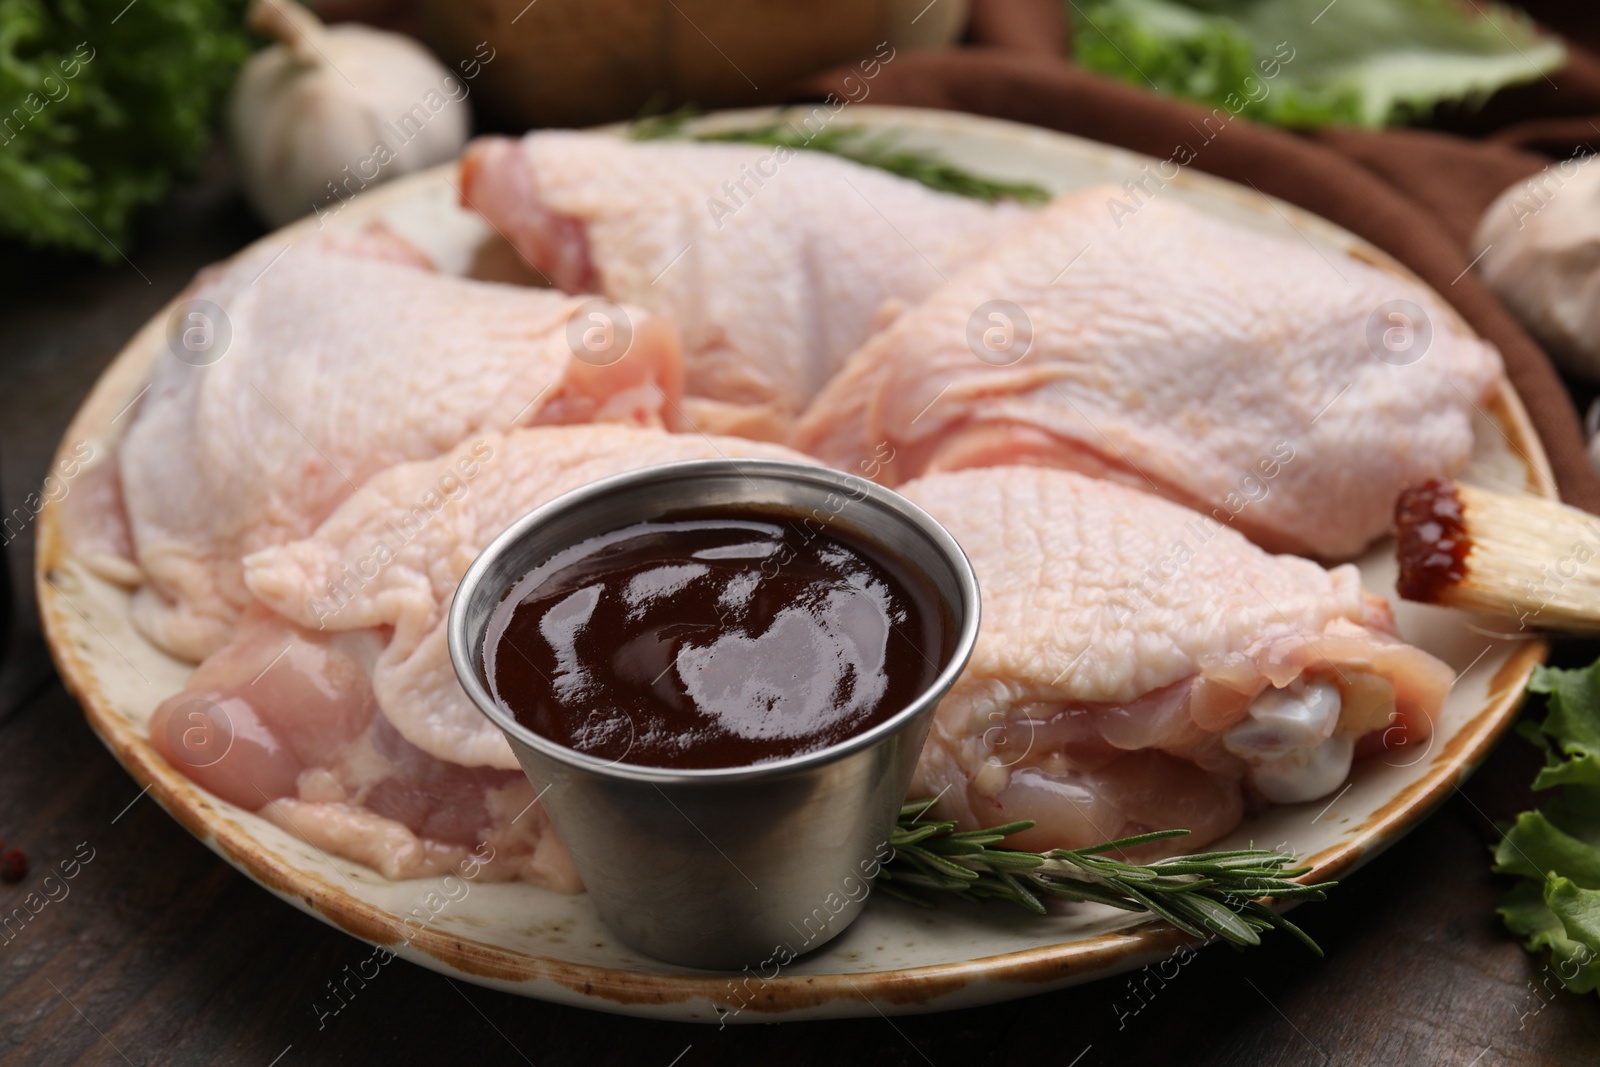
1431 541
714 640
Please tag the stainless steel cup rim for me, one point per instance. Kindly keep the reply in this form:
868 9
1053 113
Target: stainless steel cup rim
465 647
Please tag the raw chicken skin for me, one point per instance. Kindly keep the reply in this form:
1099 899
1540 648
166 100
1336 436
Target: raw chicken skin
343 360
387 558
1228 370
281 721
1141 667
776 264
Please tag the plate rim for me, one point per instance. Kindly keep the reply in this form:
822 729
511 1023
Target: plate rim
922 987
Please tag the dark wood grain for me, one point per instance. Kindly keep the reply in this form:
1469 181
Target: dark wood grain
160 953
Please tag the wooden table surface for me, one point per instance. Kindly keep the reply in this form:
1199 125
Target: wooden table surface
161 953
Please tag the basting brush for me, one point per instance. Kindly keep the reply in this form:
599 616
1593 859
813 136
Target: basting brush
1532 561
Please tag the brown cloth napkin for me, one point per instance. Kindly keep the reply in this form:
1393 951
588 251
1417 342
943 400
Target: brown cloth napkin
1417 194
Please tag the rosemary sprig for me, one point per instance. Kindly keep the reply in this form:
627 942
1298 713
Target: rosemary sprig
1213 894
853 143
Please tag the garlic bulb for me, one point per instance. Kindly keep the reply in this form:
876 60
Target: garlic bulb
1539 250
331 110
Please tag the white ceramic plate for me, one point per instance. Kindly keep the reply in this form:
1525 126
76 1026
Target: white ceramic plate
895 958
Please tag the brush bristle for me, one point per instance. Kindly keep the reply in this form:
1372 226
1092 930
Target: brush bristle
1530 561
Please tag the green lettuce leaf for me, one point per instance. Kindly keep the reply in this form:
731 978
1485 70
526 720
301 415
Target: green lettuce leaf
1367 62
1573 704
101 102
1562 919
1534 845
1555 850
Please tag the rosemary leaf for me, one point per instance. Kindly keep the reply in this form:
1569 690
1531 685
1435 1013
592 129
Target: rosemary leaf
924 880
1003 830
1267 915
939 863
1219 918
903 838
1020 893
1122 843
995 860
912 809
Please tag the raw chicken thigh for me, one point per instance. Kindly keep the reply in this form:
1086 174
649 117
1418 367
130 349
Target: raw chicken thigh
775 264
342 698
1142 667
1247 376
341 362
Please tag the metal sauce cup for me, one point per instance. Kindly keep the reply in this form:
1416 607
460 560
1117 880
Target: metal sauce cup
720 868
